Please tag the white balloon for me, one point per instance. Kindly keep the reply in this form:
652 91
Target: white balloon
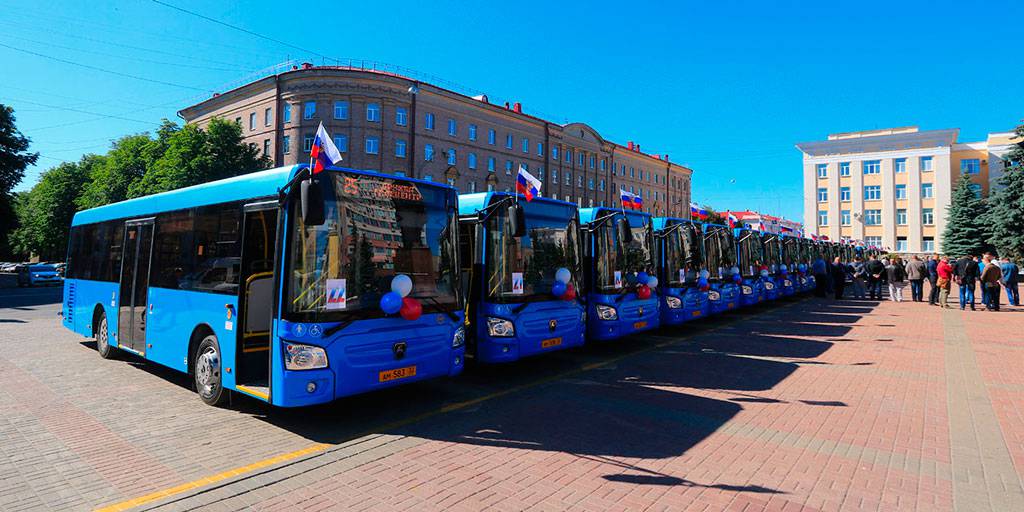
764 273
401 284
705 274
735 270
652 282
563 275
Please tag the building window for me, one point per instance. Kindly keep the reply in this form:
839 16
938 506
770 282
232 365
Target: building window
901 191
600 185
927 216
341 109
540 173
844 194
491 162
899 165
471 161
844 168
451 156
579 180
399 173
604 164
568 156
590 183
568 178
491 136
428 121
844 217
428 177
927 191
872 166
472 132
307 142
342 142
822 218
901 217
901 244
252 121
266 147
554 152
872 217
372 145
287 113
308 110
472 187
267 117
872 192
428 152
286 144
540 149
401 116
822 170
400 148
926 163
873 241
554 175
453 127
508 167
581 158
976 189
822 195
928 244
373 112
593 161
970 166
526 145
508 141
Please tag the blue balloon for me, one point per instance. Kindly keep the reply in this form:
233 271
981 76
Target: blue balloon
558 289
391 302
641 277
702 282
737 278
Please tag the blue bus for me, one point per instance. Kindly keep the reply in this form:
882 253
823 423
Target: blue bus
807 256
772 244
720 259
750 260
521 263
679 251
291 289
618 264
789 273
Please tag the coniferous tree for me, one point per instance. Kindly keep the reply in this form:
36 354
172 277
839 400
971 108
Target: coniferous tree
965 232
1006 204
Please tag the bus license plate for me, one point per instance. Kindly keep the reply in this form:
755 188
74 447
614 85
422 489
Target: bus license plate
695 313
731 305
397 373
639 325
550 342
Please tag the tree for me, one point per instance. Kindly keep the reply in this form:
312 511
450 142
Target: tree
45 212
1006 204
14 158
714 217
965 232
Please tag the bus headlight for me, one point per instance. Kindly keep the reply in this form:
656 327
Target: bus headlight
747 290
304 357
500 328
768 285
673 302
713 295
460 338
607 312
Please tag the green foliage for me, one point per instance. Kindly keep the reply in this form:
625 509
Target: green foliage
14 158
45 212
1006 204
966 227
714 217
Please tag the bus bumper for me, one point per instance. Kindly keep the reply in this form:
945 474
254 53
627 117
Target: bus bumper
723 297
634 315
751 292
540 327
694 306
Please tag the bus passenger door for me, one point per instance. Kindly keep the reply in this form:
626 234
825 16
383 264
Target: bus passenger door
134 285
256 296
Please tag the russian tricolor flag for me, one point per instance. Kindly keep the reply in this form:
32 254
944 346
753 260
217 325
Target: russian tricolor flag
630 200
527 185
698 211
324 153
732 220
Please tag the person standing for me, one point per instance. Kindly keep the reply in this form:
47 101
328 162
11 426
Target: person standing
838 272
916 272
897 278
981 268
859 273
944 273
820 270
933 278
990 279
965 273
876 275
1011 275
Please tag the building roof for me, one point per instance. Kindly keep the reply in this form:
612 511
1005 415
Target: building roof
896 142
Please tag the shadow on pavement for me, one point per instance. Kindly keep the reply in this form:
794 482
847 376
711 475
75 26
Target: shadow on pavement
25 298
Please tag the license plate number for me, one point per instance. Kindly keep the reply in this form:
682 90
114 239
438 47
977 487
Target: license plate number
731 305
551 342
397 373
695 313
639 325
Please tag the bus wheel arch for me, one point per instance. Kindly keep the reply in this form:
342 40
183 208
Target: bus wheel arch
200 332
101 333
206 366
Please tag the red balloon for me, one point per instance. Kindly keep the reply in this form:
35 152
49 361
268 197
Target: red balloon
570 292
643 291
411 308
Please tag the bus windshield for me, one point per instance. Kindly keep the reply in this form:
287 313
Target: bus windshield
719 250
790 251
751 253
772 249
617 265
523 269
375 228
683 254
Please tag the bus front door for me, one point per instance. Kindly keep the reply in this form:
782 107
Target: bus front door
134 285
256 298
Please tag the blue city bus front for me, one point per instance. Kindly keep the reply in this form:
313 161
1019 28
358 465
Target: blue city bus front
620 300
750 260
773 260
807 255
724 275
789 272
680 258
523 291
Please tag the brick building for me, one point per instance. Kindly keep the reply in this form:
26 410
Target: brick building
391 123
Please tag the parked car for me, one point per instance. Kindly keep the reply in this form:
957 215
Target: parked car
36 274
8 267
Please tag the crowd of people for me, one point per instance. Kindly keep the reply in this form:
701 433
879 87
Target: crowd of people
880 276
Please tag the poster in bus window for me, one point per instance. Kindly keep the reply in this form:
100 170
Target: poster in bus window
618 279
517 283
336 298
682 275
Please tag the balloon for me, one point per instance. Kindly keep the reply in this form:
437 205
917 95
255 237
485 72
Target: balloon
641 277
643 292
652 282
802 267
401 284
735 270
737 278
764 273
558 288
411 308
782 268
704 274
570 292
391 302
563 275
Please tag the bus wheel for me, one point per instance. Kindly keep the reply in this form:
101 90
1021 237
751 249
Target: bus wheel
207 372
103 338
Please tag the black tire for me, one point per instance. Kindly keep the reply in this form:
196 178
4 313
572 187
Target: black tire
207 373
103 338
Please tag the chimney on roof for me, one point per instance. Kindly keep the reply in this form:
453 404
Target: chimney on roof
481 97
517 107
506 105
307 65
216 94
638 148
629 145
666 157
294 67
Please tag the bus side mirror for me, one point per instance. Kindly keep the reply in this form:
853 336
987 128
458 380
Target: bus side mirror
311 198
624 232
516 220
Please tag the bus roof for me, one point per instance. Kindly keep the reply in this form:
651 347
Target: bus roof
664 222
472 203
587 215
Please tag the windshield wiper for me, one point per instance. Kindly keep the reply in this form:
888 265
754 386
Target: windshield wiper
438 305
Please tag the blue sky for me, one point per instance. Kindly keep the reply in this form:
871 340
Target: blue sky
725 87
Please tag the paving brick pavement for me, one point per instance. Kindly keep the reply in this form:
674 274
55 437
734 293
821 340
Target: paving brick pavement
816 405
